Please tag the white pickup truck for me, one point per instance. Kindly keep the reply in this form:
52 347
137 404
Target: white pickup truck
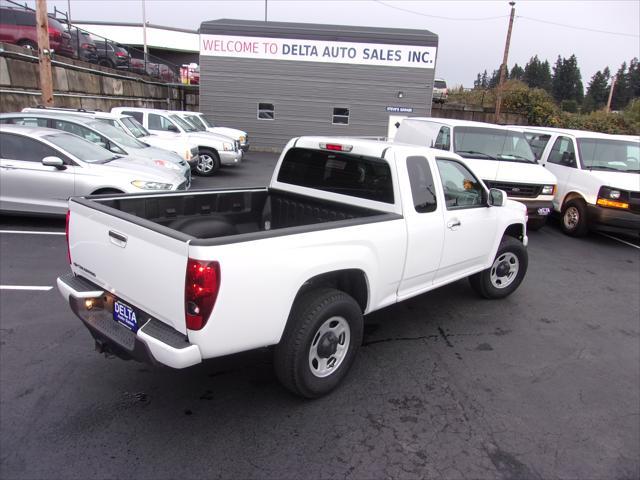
346 227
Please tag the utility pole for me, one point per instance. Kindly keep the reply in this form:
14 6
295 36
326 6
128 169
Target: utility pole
44 53
144 34
265 10
503 67
613 84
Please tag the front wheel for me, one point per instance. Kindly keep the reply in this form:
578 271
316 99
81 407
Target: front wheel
574 218
208 163
319 344
505 274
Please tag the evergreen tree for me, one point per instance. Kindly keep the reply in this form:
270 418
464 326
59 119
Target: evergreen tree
495 78
537 74
485 80
598 90
566 81
477 83
621 90
517 73
633 78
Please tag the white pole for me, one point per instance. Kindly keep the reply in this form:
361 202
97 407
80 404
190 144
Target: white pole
144 34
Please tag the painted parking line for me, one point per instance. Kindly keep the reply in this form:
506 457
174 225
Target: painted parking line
25 287
620 240
31 232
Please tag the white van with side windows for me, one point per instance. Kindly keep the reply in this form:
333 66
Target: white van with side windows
598 178
500 156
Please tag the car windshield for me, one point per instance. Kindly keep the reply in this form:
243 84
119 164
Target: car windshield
440 84
80 148
492 144
136 129
207 123
186 126
117 135
197 124
605 154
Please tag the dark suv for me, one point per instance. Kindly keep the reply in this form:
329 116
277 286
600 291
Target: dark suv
112 55
18 26
83 45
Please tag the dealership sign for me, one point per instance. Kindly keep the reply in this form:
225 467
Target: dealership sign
264 48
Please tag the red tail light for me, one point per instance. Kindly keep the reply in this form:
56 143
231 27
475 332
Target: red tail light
121 54
55 34
66 233
201 287
336 147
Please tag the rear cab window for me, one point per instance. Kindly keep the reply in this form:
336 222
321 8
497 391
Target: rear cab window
347 174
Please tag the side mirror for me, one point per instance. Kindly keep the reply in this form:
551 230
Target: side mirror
53 162
497 198
173 128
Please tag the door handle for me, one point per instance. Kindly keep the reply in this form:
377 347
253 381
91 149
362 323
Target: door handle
452 224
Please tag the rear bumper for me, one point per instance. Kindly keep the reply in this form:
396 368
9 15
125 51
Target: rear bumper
609 218
230 158
155 342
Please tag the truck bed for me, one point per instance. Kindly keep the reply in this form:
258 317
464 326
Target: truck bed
226 216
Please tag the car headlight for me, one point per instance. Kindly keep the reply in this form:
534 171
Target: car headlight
613 198
548 189
166 164
228 147
151 185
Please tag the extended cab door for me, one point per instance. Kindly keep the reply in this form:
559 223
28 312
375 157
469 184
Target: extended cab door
425 236
469 224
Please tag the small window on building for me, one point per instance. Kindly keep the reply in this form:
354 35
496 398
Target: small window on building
340 116
266 111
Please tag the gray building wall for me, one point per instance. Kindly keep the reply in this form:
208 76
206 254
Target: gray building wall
305 93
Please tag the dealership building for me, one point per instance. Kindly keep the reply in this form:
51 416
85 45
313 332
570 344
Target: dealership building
279 80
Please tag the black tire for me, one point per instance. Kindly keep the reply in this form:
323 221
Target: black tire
29 44
496 282
574 220
208 163
105 62
308 340
535 224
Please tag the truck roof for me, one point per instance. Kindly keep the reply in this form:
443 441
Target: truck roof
364 146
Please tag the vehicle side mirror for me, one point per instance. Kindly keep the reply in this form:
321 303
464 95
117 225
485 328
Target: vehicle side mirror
173 128
53 162
497 198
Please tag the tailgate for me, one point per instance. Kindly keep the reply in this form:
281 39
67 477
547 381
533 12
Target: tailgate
143 266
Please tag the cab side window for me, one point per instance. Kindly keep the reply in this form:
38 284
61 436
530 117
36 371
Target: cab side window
17 147
443 140
461 188
28 121
80 131
422 188
563 153
158 122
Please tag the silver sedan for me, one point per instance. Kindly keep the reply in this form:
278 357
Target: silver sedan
41 168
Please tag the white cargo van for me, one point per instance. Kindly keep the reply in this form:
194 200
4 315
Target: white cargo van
500 156
598 178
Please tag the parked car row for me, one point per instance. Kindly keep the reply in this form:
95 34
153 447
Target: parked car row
592 180
40 176
18 27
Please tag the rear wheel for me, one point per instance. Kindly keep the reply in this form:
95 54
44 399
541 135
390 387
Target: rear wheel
105 62
320 342
505 274
208 163
574 218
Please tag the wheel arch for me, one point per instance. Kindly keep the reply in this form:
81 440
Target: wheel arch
515 230
572 196
106 191
352 281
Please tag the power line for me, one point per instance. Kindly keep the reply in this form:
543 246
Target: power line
578 28
437 16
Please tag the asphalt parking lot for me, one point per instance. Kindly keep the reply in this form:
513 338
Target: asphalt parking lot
543 384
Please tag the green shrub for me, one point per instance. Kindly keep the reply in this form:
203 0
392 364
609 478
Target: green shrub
570 106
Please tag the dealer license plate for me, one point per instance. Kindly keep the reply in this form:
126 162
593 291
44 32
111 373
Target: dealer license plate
544 211
125 315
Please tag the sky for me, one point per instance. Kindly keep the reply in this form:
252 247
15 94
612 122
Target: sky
471 34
